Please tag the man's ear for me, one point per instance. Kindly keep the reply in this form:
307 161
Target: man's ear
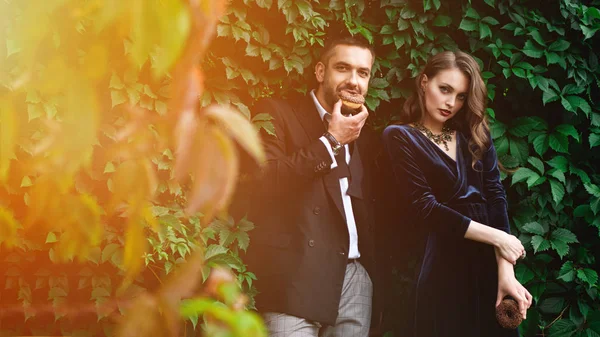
320 72
423 83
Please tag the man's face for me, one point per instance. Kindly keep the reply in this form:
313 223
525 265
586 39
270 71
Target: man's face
348 69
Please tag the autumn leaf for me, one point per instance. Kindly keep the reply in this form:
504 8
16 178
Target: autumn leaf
239 128
8 227
214 174
8 136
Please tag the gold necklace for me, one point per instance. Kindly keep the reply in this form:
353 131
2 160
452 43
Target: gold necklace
442 138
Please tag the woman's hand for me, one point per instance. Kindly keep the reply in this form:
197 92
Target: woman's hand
509 247
509 286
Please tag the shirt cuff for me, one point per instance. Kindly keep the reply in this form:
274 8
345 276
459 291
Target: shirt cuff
330 150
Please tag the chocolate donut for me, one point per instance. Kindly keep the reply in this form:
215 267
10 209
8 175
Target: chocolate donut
508 314
351 102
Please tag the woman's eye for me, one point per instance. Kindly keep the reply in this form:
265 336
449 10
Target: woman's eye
462 97
443 89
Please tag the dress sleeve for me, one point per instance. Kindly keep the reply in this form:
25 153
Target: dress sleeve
412 184
494 191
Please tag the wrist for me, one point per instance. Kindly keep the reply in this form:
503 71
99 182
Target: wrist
498 237
335 144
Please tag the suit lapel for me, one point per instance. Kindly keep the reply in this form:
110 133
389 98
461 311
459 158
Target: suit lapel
308 116
306 112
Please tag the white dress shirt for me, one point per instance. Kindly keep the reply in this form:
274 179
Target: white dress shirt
347 202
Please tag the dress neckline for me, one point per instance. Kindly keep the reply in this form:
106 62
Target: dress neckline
455 161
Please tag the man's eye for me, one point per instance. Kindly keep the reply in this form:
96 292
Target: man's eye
364 74
341 67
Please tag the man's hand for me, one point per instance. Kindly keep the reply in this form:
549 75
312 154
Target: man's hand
346 129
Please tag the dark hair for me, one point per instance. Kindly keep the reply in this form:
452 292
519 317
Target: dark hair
471 118
348 40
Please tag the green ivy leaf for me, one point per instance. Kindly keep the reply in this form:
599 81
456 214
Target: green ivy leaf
531 50
567 272
594 140
468 25
442 21
539 244
568 130
402 24
523 273
588 32
214 250
519 149
571 103
484 31
541 144
558 175
559 45
563 235
588 276
534 228
559 142
497 129
535 34
563 328
592 189
387 29
523 174
559 162
549 96
472 13
501 145
537 163
558 190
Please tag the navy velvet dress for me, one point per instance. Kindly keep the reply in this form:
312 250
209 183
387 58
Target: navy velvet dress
457 285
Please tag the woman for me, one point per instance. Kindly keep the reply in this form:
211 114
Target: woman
444 162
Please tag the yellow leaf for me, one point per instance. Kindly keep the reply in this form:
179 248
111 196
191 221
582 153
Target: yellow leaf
230 162
214 175
8 227
8 136
149 217
135 246
55 76
239 128
96 62
44 201
144 31
187 131
175 23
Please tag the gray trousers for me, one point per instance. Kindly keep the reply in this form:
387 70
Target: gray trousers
354 313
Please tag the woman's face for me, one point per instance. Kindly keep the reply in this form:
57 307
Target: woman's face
444 95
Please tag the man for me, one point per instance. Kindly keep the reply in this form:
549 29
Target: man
312 206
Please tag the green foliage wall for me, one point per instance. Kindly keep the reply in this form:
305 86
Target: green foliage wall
540 63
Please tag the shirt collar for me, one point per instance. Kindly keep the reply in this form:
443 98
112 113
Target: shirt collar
320 108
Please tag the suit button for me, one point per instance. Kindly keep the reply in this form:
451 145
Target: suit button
342 253
316 210
311 243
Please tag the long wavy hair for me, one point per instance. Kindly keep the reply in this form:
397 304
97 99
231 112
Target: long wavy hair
471 118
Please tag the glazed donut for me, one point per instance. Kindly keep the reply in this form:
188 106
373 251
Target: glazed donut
352 102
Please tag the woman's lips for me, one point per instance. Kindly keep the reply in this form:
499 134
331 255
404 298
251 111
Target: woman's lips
444 112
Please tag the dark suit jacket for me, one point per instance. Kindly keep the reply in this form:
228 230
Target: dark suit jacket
299 247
